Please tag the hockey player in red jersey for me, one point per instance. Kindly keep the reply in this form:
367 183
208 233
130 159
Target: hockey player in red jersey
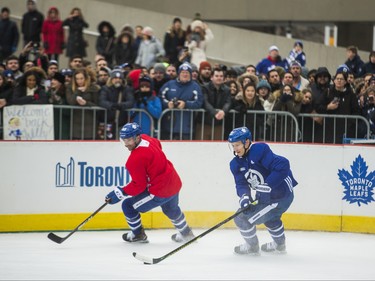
154 182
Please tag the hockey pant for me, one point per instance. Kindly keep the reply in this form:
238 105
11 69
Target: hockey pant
269 215
144 202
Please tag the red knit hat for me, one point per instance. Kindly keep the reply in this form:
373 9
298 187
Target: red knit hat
203 65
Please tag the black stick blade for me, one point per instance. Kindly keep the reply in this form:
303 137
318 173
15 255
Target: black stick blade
55 238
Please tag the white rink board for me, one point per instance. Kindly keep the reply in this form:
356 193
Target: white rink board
28 176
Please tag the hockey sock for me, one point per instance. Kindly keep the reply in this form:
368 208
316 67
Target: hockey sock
181 224
135 224
277 232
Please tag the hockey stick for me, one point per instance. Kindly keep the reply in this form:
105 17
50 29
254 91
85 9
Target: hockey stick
147 260
59 240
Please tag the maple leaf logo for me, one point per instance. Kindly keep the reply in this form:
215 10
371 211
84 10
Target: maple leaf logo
358 186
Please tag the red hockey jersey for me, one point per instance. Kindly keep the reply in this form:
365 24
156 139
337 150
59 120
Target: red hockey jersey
150 169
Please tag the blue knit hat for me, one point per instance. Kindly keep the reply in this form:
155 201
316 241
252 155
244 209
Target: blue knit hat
263 84
298 42
185 66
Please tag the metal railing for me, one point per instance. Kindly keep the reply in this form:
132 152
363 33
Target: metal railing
192 124
328 128
66 127
77 122
73 122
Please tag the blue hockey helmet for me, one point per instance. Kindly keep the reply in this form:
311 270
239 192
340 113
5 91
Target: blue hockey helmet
130 130
239 134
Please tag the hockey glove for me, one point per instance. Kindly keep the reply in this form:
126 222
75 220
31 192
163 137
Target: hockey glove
244 201
115 196
264 194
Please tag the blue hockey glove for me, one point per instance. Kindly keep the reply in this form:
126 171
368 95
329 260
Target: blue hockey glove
264 194
245 201
115 196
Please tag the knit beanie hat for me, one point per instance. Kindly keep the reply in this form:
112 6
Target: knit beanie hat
185 66
299 42
194 67
263 84
160 67
59 77
116 73
146 81
344 70
203 65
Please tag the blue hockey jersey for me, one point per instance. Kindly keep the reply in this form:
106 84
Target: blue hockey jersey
262 171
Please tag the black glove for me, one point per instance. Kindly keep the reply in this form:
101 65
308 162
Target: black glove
45 45
63 46
285 98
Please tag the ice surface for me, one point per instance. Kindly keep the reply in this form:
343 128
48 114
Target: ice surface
102 255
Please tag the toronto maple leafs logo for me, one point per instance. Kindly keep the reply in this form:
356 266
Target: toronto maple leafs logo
359 185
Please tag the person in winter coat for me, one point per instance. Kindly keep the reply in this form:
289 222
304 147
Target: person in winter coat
197 41
271 61
248 100
29 89
354 62
83 92
124 51
369 67
53 34
174 40
289 100
340 100
105 43
117 98
9 35
145 98
150 50
76 43
180 93
32 22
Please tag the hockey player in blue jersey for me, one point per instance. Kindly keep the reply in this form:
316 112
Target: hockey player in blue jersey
264 182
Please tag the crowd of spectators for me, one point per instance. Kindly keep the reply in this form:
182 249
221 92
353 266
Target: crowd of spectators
135 76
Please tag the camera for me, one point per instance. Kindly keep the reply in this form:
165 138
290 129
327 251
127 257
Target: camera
35 48
336 100
175 102
371 98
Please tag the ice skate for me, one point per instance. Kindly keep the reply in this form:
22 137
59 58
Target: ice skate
179 238
247 249
132 238
272 247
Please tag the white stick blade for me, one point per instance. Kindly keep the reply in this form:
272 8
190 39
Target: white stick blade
144 259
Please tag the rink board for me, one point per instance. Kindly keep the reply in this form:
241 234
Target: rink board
49 186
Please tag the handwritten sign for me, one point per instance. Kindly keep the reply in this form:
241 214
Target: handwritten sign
28 122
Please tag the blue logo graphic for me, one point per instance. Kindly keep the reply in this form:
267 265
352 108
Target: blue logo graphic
359 185
89 176
65 175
